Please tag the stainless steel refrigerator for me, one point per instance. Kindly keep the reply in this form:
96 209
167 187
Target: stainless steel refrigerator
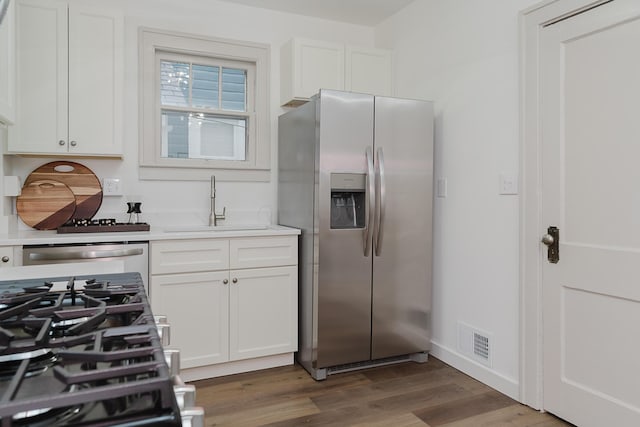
356 176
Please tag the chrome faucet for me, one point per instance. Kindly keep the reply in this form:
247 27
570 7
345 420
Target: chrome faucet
213 216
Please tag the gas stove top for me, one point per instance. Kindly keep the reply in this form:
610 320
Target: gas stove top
80 351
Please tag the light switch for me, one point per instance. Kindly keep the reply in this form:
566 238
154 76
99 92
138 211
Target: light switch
441 190
508 184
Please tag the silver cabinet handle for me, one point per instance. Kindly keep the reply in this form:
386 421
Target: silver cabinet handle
381 180
370 202
225 281
73 143
5 259
84 254
61 142
234 280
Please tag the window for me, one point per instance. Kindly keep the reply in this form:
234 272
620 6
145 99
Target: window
204 106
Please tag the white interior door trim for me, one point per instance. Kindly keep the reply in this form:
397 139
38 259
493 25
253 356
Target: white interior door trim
532 252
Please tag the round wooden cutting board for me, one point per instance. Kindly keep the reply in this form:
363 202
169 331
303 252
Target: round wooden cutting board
84 185
45 204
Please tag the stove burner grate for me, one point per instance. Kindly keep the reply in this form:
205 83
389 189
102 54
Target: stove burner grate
82 355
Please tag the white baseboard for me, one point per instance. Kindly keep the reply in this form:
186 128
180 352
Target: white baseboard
503 384
237 367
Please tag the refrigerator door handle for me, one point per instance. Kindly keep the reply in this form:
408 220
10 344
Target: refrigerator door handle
370 203
382 202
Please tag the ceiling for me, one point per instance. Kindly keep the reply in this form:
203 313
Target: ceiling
361 12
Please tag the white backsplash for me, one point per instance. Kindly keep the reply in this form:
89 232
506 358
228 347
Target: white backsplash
233 217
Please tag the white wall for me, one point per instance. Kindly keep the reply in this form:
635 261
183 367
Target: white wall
190 200
463 55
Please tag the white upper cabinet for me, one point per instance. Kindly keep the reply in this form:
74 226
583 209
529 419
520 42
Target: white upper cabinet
7 66
368 71
307 66
69 80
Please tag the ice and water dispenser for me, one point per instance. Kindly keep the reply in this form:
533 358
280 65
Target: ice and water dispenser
348 202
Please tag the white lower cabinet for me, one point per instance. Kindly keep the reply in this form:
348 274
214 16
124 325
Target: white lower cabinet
197 307
263 312
227 314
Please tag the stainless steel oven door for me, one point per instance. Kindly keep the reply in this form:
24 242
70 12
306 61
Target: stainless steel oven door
134 255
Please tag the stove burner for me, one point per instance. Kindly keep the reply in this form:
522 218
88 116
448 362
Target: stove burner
16 357
45 417
39 361
63 324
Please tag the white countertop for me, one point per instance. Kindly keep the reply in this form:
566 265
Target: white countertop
38 237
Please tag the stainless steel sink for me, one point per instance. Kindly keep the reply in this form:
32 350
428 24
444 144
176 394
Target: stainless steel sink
208 228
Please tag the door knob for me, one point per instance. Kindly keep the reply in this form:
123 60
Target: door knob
548 239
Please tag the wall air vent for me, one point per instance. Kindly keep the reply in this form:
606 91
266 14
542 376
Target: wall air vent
481 346
474 344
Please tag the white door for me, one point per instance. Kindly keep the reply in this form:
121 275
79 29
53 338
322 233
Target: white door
590 115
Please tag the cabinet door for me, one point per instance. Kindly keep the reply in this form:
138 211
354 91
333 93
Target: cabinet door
368 71
308 66
263 312
189 256
197 308
41 104
95 81
7 66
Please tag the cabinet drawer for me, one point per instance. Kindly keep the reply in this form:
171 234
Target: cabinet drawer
263 252
189 256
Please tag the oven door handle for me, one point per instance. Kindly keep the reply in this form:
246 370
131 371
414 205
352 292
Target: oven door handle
84 254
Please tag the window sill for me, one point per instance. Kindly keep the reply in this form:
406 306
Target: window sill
158 173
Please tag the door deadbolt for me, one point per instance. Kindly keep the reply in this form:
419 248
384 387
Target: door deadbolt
552 240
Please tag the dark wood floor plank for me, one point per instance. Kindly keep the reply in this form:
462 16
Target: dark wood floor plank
403 369
402 420
387 388
404 395
463 408
516 415
283 384
264 415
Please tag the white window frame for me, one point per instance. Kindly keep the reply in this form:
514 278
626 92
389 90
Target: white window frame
155 44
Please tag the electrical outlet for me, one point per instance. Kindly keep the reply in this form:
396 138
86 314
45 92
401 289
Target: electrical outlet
111 187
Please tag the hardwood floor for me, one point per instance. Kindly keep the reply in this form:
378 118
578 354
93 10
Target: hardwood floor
404 395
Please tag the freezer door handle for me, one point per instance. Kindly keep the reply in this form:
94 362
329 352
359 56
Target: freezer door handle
378 228
370 202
